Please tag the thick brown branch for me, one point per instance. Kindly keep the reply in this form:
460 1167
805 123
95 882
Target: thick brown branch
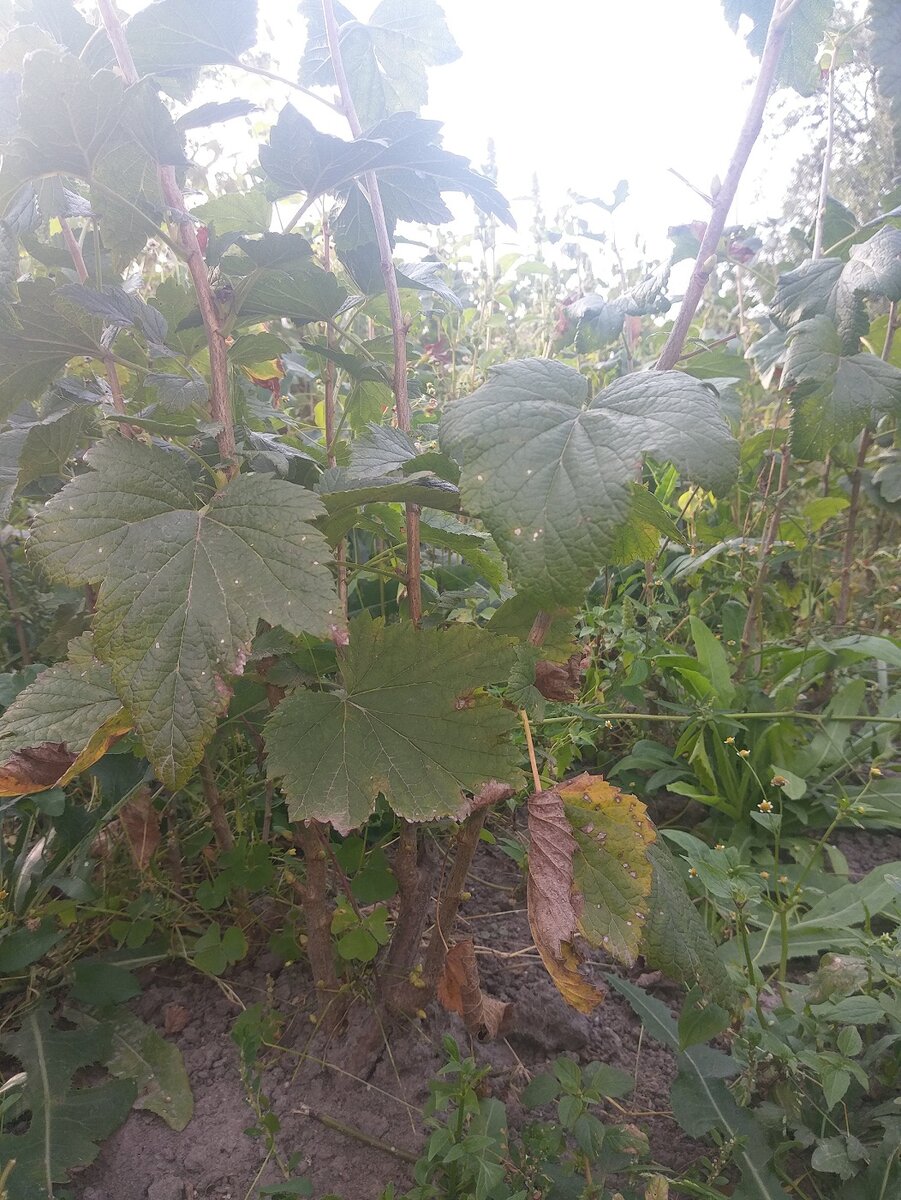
753 124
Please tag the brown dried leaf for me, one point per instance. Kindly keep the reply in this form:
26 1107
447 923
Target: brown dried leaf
52 764
460 991
34 769
489 794
175 1018
553 917
559 681
141 826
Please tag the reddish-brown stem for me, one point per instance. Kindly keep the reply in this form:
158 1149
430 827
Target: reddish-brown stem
722 202
310 839
866 438
407 996
220 398
414 872
540 627
398 325
15 614
219 821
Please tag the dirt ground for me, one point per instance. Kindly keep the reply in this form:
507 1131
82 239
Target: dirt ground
215 1159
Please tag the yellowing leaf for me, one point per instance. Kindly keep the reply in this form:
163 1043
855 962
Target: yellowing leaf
611 868
58 727
552 914
589 875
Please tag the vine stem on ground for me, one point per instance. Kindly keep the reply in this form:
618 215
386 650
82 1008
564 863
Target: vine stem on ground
220 398
358 1135
398 325
722 202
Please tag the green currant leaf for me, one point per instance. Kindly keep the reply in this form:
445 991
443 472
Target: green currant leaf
834 396
676 940
175 36
67 716
404 724
38 336
35 447
549 470
181 587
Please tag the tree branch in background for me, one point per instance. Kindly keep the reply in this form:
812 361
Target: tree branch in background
722 202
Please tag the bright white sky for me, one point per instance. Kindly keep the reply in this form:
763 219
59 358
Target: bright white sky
583 93
587 92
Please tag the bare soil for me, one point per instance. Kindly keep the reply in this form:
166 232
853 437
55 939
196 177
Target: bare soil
216 1159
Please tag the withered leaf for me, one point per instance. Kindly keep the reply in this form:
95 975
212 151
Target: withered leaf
141 826
552 915
460 991
589 875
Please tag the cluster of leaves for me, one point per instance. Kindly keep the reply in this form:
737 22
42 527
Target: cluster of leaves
225 588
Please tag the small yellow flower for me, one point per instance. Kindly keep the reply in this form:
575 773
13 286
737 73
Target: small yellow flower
765 806
875 773
743 753
292 851
764 874
783 879
692 871
730 741
778 781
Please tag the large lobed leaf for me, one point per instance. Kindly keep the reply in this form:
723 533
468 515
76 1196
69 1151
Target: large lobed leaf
182 588
404 151
833 395
38 336
405 724
67 1124
38 446
807 25
73 123
550 470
